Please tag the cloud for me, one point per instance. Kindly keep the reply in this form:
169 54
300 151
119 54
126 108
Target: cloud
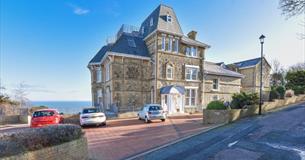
78 10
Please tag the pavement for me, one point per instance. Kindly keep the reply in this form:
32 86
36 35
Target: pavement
12 128
279 135
124 138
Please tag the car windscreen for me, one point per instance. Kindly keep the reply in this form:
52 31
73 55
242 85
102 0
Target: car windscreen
43 113
154 108
91 110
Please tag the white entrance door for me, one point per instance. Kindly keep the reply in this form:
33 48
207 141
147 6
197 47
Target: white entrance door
175 104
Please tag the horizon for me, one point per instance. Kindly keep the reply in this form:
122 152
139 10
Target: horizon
56 39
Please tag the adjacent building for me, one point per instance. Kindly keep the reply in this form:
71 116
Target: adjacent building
158 63
251 71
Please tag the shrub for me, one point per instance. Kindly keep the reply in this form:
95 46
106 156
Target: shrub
30 139
241 100
298 90
273 94
281 91
218 105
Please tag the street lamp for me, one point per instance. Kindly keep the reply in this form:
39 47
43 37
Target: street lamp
261 39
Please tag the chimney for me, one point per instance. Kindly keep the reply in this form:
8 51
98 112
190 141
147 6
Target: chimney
192 35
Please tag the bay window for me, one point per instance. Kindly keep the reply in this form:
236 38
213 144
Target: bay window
176 45
163 43
170 44
107 72
98 75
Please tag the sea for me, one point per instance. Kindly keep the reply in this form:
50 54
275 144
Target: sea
66 107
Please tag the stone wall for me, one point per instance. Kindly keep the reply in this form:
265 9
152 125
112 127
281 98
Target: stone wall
251 82
76 149
131 81
226 116
13 114
227 87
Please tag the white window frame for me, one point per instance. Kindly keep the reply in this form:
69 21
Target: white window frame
99 94
191 68
163 43
107 71
194 51
217 84
189 101
170 44
98 75
169 18
169 75
176 45
188 51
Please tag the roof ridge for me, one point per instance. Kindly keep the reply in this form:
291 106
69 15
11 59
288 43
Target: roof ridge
247 60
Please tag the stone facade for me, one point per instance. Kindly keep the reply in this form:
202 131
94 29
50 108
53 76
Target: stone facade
227 87
128 86
173 59
251 82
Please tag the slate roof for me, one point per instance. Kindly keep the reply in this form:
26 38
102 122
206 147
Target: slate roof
122 46
159 16
167 89
188 40
213 68
249 63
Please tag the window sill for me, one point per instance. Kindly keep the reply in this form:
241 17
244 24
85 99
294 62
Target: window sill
188 80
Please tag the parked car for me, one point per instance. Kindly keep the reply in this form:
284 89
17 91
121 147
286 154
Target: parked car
46 117
92 116
151 112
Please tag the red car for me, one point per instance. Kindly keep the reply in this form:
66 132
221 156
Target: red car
46 117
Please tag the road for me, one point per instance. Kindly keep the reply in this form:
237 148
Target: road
278 135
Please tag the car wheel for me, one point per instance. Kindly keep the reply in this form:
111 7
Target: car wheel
139 118
104 124
163 120
146 120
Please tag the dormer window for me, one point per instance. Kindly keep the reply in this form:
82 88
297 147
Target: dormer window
142 30
151 23
131 43
169 18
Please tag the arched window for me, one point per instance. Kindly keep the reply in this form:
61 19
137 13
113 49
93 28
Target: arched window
169 71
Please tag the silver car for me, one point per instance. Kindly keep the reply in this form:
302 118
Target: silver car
151 112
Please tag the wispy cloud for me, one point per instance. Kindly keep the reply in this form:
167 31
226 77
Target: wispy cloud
79 10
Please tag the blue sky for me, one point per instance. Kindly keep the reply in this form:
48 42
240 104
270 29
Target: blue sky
48 44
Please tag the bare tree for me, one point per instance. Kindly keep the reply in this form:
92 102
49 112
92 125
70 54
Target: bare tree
278 72
297 67
20 93
292 7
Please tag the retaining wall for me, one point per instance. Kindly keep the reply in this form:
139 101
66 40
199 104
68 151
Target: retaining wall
227 116
76 149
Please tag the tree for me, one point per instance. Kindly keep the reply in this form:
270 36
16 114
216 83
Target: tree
20 93
296 81
277 76
292 7
297 67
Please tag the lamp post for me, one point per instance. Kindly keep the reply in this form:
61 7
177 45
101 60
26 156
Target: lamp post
261 39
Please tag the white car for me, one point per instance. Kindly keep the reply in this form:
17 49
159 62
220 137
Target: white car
92 116
151 112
